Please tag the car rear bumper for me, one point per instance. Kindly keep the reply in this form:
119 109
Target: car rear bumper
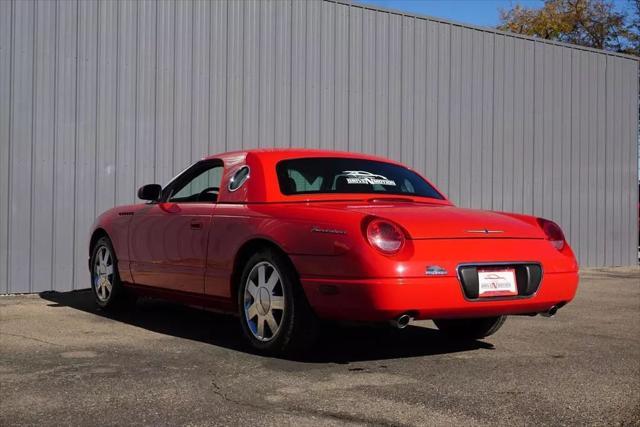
425 298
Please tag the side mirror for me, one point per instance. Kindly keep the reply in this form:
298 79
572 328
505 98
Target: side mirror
149 192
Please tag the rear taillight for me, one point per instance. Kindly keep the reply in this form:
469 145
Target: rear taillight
385 236
553 232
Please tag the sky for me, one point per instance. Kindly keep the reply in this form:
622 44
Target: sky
475 12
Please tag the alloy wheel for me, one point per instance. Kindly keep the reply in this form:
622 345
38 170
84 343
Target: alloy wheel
264 301
103 273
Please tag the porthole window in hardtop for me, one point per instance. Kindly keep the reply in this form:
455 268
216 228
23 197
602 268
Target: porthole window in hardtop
239 178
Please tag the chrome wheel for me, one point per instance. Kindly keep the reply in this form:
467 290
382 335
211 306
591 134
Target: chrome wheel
264 301
103 273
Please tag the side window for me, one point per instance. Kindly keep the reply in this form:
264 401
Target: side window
202 186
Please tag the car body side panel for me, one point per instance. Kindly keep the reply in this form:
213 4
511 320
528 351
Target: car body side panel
115 222
234 225
168 245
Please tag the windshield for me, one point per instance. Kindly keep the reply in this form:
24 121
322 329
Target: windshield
315 175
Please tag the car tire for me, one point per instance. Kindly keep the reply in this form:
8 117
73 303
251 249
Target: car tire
470 328
267 302
106 285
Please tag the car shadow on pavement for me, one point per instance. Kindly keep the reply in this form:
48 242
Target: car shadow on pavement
336 343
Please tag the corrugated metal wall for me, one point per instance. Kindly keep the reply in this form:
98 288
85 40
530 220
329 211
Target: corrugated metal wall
98 98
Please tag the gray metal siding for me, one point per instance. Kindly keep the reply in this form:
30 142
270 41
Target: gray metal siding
98 98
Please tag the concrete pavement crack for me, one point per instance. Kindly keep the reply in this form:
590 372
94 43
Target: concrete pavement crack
288 409
31 338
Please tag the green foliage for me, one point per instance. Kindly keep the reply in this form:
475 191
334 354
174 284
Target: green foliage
592 23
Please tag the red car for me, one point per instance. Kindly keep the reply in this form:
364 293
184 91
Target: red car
286 237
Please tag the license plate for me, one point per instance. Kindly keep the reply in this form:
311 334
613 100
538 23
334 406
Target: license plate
497 283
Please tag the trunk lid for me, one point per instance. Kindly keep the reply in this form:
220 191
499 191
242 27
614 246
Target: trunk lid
432 221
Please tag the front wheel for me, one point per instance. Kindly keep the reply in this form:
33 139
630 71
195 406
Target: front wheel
275 315
470 328
105 280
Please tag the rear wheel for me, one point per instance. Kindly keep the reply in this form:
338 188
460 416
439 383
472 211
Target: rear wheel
105 280
470 328
274 313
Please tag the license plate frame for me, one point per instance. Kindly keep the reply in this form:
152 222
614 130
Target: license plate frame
497 282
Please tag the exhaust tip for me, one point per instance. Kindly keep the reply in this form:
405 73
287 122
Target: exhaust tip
401 321
551 312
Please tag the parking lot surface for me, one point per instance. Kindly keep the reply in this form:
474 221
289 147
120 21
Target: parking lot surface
62 361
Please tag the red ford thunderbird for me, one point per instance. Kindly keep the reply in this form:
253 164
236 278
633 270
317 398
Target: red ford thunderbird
286 237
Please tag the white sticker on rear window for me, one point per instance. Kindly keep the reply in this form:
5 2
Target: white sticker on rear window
364 177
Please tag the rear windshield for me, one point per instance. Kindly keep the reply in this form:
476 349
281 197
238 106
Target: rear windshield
317 175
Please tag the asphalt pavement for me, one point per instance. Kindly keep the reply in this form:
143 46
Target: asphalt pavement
62 361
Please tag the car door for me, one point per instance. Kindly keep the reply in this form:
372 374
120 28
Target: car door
168 239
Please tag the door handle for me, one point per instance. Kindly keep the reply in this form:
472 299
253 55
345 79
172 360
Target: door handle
196 225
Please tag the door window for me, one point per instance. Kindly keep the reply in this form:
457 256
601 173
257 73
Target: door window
199 185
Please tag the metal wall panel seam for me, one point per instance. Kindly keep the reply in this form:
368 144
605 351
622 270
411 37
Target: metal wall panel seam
226 84
634 197
600 150
273 29
449 91
97 95
55 137
290 142
388 101
635 153
242 84
575 138
135 125
567 108
335 84
401 86
209 69
155 102
193 79
117 105
274 106
20 154
42 166
624 211
174 111
75 143
9 148
533 127
348 80
259 142
630 209
617 172
635 150
606 158
494 118
33 121
5 137
84 149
